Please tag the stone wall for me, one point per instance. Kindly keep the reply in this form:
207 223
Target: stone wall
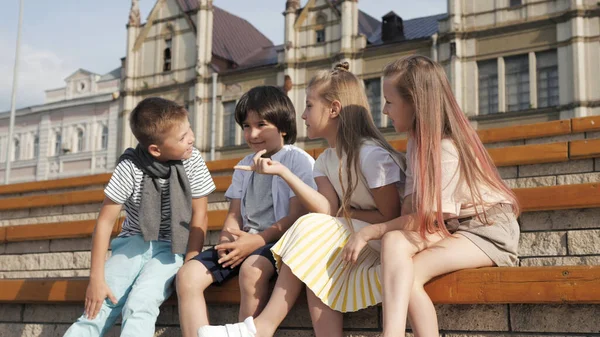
454 320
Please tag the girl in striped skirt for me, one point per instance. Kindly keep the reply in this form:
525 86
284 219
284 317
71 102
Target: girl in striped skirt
360 180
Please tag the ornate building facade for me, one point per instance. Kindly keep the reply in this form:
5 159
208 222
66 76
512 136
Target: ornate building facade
509 62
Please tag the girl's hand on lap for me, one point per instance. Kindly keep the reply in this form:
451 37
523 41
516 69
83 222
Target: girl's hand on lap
239 250
263 165
356 243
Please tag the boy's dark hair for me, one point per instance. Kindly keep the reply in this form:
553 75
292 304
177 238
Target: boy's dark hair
272 105
153 117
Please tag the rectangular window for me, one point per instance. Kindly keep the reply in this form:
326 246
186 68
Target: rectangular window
547 78
229 124
488 86
517 82
320 35
57 144
36 146
514 3
373 89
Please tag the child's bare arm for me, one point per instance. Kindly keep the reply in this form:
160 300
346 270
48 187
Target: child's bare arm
313 201
198 227
97 289
248 243
233 221
387 201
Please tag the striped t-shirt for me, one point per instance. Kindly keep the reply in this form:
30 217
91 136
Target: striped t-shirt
125 188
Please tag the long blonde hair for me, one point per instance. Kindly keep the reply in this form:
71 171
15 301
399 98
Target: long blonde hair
355 123
423 83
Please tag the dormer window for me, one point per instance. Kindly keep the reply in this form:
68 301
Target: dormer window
80 86
320 35
167 56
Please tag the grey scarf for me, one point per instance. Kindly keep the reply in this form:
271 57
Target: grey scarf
150 205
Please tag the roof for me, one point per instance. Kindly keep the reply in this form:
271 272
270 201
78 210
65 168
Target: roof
81 71
234 38
414 29
112 75
367 25
261 57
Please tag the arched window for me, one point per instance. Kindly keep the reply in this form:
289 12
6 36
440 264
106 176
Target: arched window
80 141
104 137
36 146
167 56
320 28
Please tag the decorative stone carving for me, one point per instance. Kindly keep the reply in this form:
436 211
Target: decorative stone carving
287 84
292 5
134 14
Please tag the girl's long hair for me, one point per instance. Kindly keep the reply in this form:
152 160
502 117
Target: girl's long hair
354 126
423 83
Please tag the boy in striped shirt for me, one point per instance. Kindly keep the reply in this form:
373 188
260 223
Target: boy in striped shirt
163 185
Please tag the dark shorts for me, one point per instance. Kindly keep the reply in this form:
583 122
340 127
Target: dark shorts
210 257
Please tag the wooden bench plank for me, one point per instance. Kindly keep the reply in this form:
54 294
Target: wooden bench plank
559 197
532 199
222 165
96 179
49 200
584 124
222 183
560 284
79 229
546 129
496 285
585 148
530 154
399 144
60 230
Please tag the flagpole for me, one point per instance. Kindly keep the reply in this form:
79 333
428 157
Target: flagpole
11 125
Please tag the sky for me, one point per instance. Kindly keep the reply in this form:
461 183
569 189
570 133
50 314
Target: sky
59 37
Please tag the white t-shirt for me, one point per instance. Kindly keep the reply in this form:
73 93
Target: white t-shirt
376 164
456 197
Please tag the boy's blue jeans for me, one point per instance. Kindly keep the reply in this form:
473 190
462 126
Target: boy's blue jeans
140 274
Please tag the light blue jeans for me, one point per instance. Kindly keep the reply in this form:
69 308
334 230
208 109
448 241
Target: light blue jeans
140 274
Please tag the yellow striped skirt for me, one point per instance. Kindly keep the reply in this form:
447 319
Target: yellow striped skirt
312 249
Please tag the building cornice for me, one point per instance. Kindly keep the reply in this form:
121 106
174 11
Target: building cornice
511 27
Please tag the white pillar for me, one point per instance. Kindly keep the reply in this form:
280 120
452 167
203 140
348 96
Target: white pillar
532 81
501 85
41 172
347 21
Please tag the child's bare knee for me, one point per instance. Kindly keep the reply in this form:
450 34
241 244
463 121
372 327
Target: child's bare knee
256 270
192 277
398 242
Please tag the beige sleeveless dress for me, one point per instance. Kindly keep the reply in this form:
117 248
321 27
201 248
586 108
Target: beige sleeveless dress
312 247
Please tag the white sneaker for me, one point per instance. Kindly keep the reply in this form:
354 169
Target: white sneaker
242 329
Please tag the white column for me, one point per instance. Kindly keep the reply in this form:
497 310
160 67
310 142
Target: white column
501 86
346 26
532 80
41 172
128 101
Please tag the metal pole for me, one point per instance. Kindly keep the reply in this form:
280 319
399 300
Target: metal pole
11 124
